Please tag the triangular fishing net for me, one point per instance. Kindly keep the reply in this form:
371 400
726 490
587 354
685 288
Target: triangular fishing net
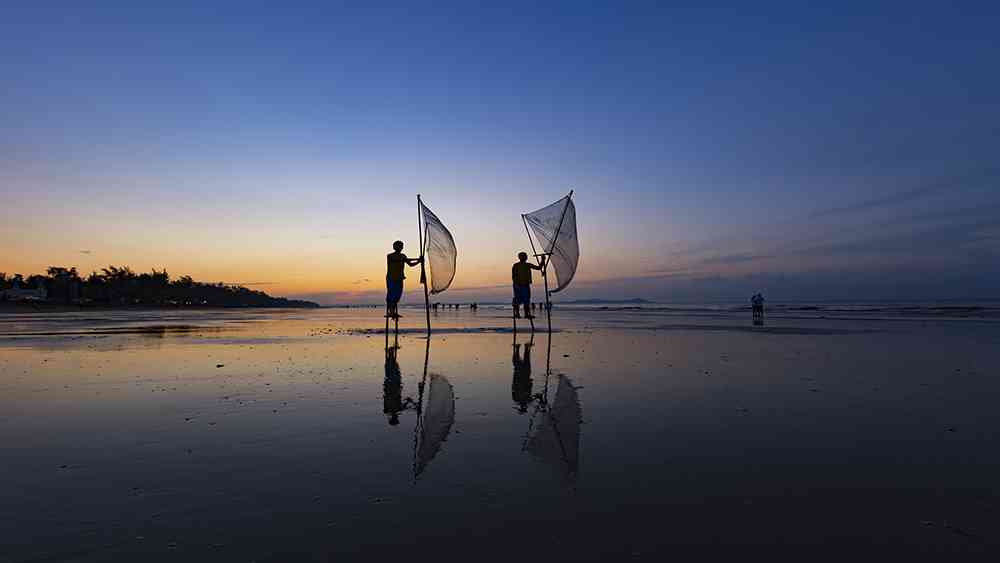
555 228
440 252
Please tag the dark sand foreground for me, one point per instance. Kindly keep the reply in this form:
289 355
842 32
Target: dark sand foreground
263 436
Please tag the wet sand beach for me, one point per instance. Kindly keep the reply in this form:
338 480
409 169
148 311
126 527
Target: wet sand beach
256 435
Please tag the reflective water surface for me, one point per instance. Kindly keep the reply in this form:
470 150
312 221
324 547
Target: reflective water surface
314 435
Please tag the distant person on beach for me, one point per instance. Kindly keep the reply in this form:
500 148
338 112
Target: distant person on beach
757 304
396 262
520 274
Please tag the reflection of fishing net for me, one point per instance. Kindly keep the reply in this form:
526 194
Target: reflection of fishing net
441 253
555 228
556 441
438 416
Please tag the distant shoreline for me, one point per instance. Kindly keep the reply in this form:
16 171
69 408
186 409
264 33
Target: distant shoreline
22 307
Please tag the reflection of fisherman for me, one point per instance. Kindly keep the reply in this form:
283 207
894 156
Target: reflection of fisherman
392 388
520 386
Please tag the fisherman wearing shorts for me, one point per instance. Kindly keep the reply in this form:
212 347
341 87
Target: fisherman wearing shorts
396 262
520 274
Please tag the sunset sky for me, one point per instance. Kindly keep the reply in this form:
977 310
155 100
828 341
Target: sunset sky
809 152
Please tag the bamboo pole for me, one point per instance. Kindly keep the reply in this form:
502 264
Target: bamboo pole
423 272
548 306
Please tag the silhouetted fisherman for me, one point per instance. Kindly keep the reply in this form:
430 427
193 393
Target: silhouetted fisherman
520 386
396 262
392 389
520 274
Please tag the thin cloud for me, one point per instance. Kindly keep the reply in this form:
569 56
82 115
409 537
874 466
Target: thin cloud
724 259
480 287
343 297
735 259
86 252
934 241
908 195
665 271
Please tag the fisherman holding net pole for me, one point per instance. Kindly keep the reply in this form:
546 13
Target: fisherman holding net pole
520 274
554 227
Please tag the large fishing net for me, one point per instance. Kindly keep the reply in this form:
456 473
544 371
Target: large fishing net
440 254
554 227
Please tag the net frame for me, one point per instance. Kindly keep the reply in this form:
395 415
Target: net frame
439 250
564 257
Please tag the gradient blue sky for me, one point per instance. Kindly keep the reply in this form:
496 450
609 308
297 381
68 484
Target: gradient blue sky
811 152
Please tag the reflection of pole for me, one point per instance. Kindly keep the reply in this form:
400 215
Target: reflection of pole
420 409
423 273
548 364
543 400
548 308
549 417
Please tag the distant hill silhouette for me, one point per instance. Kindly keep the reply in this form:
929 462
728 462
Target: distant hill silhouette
116 286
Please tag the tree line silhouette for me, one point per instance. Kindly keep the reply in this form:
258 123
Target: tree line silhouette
121 286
